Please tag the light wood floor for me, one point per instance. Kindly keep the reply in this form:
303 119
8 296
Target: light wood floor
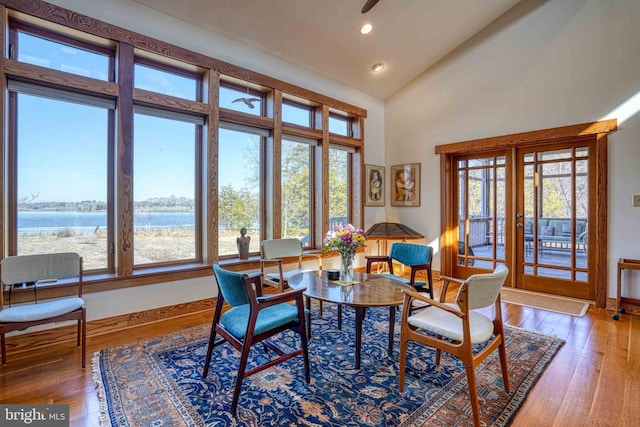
594 380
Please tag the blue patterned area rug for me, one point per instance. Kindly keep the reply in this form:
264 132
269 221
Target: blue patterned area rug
158 381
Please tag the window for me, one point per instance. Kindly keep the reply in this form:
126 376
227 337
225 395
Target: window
62 177
166 82
296 189
239 188
164 189
75 59
247 100
339 125
338 186
136 184
297 114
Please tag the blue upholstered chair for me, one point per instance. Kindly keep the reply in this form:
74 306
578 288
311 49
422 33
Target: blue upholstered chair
460 325
416 257
26 271
253 318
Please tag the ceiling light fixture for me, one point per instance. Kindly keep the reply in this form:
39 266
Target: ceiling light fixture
366 29
376 68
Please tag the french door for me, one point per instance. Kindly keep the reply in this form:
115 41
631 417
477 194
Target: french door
483 227
530 208
554 214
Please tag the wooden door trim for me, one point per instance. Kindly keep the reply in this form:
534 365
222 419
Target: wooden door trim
529 138
600 129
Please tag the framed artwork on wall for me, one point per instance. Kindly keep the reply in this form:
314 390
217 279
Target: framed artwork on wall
405 185
374 185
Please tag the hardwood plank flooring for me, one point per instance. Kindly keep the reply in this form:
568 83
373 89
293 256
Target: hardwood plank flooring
593 380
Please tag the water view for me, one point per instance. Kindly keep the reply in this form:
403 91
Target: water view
92 222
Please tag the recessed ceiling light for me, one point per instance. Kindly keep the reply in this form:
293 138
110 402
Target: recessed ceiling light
366 29
376 68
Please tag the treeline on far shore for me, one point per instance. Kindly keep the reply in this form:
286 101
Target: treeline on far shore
171 203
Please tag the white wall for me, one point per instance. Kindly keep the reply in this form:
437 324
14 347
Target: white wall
138 18
541 65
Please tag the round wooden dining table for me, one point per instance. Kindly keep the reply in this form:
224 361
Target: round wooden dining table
367 290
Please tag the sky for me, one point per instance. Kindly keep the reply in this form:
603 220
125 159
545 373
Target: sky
56 164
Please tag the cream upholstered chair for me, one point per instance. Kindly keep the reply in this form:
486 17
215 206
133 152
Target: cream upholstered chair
273 252
29 269
460 324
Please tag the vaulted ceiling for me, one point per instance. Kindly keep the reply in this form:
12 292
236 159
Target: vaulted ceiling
323 35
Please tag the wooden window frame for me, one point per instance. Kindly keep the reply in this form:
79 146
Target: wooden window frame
71 28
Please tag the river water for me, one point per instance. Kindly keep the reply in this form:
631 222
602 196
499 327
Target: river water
90 222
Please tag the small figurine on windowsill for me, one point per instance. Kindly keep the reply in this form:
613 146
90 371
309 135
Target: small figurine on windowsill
243 244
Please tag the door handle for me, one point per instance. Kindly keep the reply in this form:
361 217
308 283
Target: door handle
519 225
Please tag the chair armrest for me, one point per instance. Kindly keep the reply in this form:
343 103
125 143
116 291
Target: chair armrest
416 295
376 258
419 267
452 279
372 259
273 299
445 285
270 261
265 261
254 279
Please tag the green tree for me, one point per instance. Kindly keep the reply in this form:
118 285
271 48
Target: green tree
236 208
338 169
295 188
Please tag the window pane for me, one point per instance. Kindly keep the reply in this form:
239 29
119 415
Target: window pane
555 189
164 190
246 101
164 82
339 125
238 190
555 155
63 57
62 179
296 200
298 115
338 187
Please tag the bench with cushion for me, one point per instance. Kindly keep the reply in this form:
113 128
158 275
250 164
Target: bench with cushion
555 233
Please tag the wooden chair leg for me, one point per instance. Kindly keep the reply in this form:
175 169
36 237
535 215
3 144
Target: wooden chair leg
304 343
84 338
473 394
207 360
3 344
242 366
78 335
403 360
502 349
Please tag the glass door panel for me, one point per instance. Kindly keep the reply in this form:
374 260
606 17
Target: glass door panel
552 220
481 206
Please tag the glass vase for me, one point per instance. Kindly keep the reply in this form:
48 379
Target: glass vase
346 269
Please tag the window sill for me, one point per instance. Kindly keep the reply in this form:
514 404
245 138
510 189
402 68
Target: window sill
100 282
